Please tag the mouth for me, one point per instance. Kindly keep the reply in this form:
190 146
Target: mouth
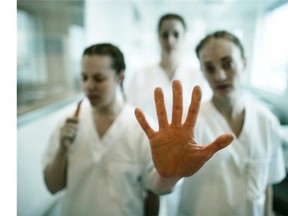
170 48
223 87
93 97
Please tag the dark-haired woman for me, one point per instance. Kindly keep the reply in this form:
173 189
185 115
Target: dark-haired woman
99 155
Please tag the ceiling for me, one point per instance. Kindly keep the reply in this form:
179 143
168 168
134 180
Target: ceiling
148 11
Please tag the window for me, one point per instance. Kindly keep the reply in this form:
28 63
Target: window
50 41
270 71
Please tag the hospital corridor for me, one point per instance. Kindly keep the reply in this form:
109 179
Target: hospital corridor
83 66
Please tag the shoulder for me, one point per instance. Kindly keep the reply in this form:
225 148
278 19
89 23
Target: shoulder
188 67
205 108
262 119
147 70
129 117
140 77
206 115
261 111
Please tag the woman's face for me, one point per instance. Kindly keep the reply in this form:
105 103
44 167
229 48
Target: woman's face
171 35
99 80
223 66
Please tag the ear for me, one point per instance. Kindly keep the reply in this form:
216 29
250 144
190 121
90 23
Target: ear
202 69
244 62
120 77
159 38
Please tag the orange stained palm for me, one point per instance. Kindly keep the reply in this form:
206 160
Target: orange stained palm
174 150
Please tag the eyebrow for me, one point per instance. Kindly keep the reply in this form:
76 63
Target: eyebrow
207 62
225 58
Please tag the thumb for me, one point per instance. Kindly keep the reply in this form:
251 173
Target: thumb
77 111
219 143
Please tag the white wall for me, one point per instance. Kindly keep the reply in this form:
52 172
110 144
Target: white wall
32 195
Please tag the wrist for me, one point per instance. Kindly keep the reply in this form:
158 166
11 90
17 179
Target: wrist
63 150
169 180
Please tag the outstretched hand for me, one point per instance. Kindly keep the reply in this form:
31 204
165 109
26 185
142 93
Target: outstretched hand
175 153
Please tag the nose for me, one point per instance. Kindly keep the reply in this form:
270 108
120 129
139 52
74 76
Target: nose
170 39
220 74
90 85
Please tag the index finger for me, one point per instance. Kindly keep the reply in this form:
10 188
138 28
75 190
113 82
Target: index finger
77 111
194 107
143 123
160 108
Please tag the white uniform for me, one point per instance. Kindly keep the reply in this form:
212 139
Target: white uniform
105 176
234 180
140 88
140 92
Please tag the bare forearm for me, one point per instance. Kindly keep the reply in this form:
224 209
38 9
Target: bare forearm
55 172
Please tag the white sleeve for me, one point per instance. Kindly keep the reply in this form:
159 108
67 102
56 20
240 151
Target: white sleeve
52 147
277 170
157 184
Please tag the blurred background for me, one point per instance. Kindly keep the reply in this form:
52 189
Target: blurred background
51 36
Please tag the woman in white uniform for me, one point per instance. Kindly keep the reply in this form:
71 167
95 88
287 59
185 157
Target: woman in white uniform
171 35
236 181
100 156
172 66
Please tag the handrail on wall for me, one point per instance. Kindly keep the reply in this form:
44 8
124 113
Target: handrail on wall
31 116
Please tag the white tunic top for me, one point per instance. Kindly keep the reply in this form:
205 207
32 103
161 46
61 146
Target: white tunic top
234 180
140 92
105 176
140 88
